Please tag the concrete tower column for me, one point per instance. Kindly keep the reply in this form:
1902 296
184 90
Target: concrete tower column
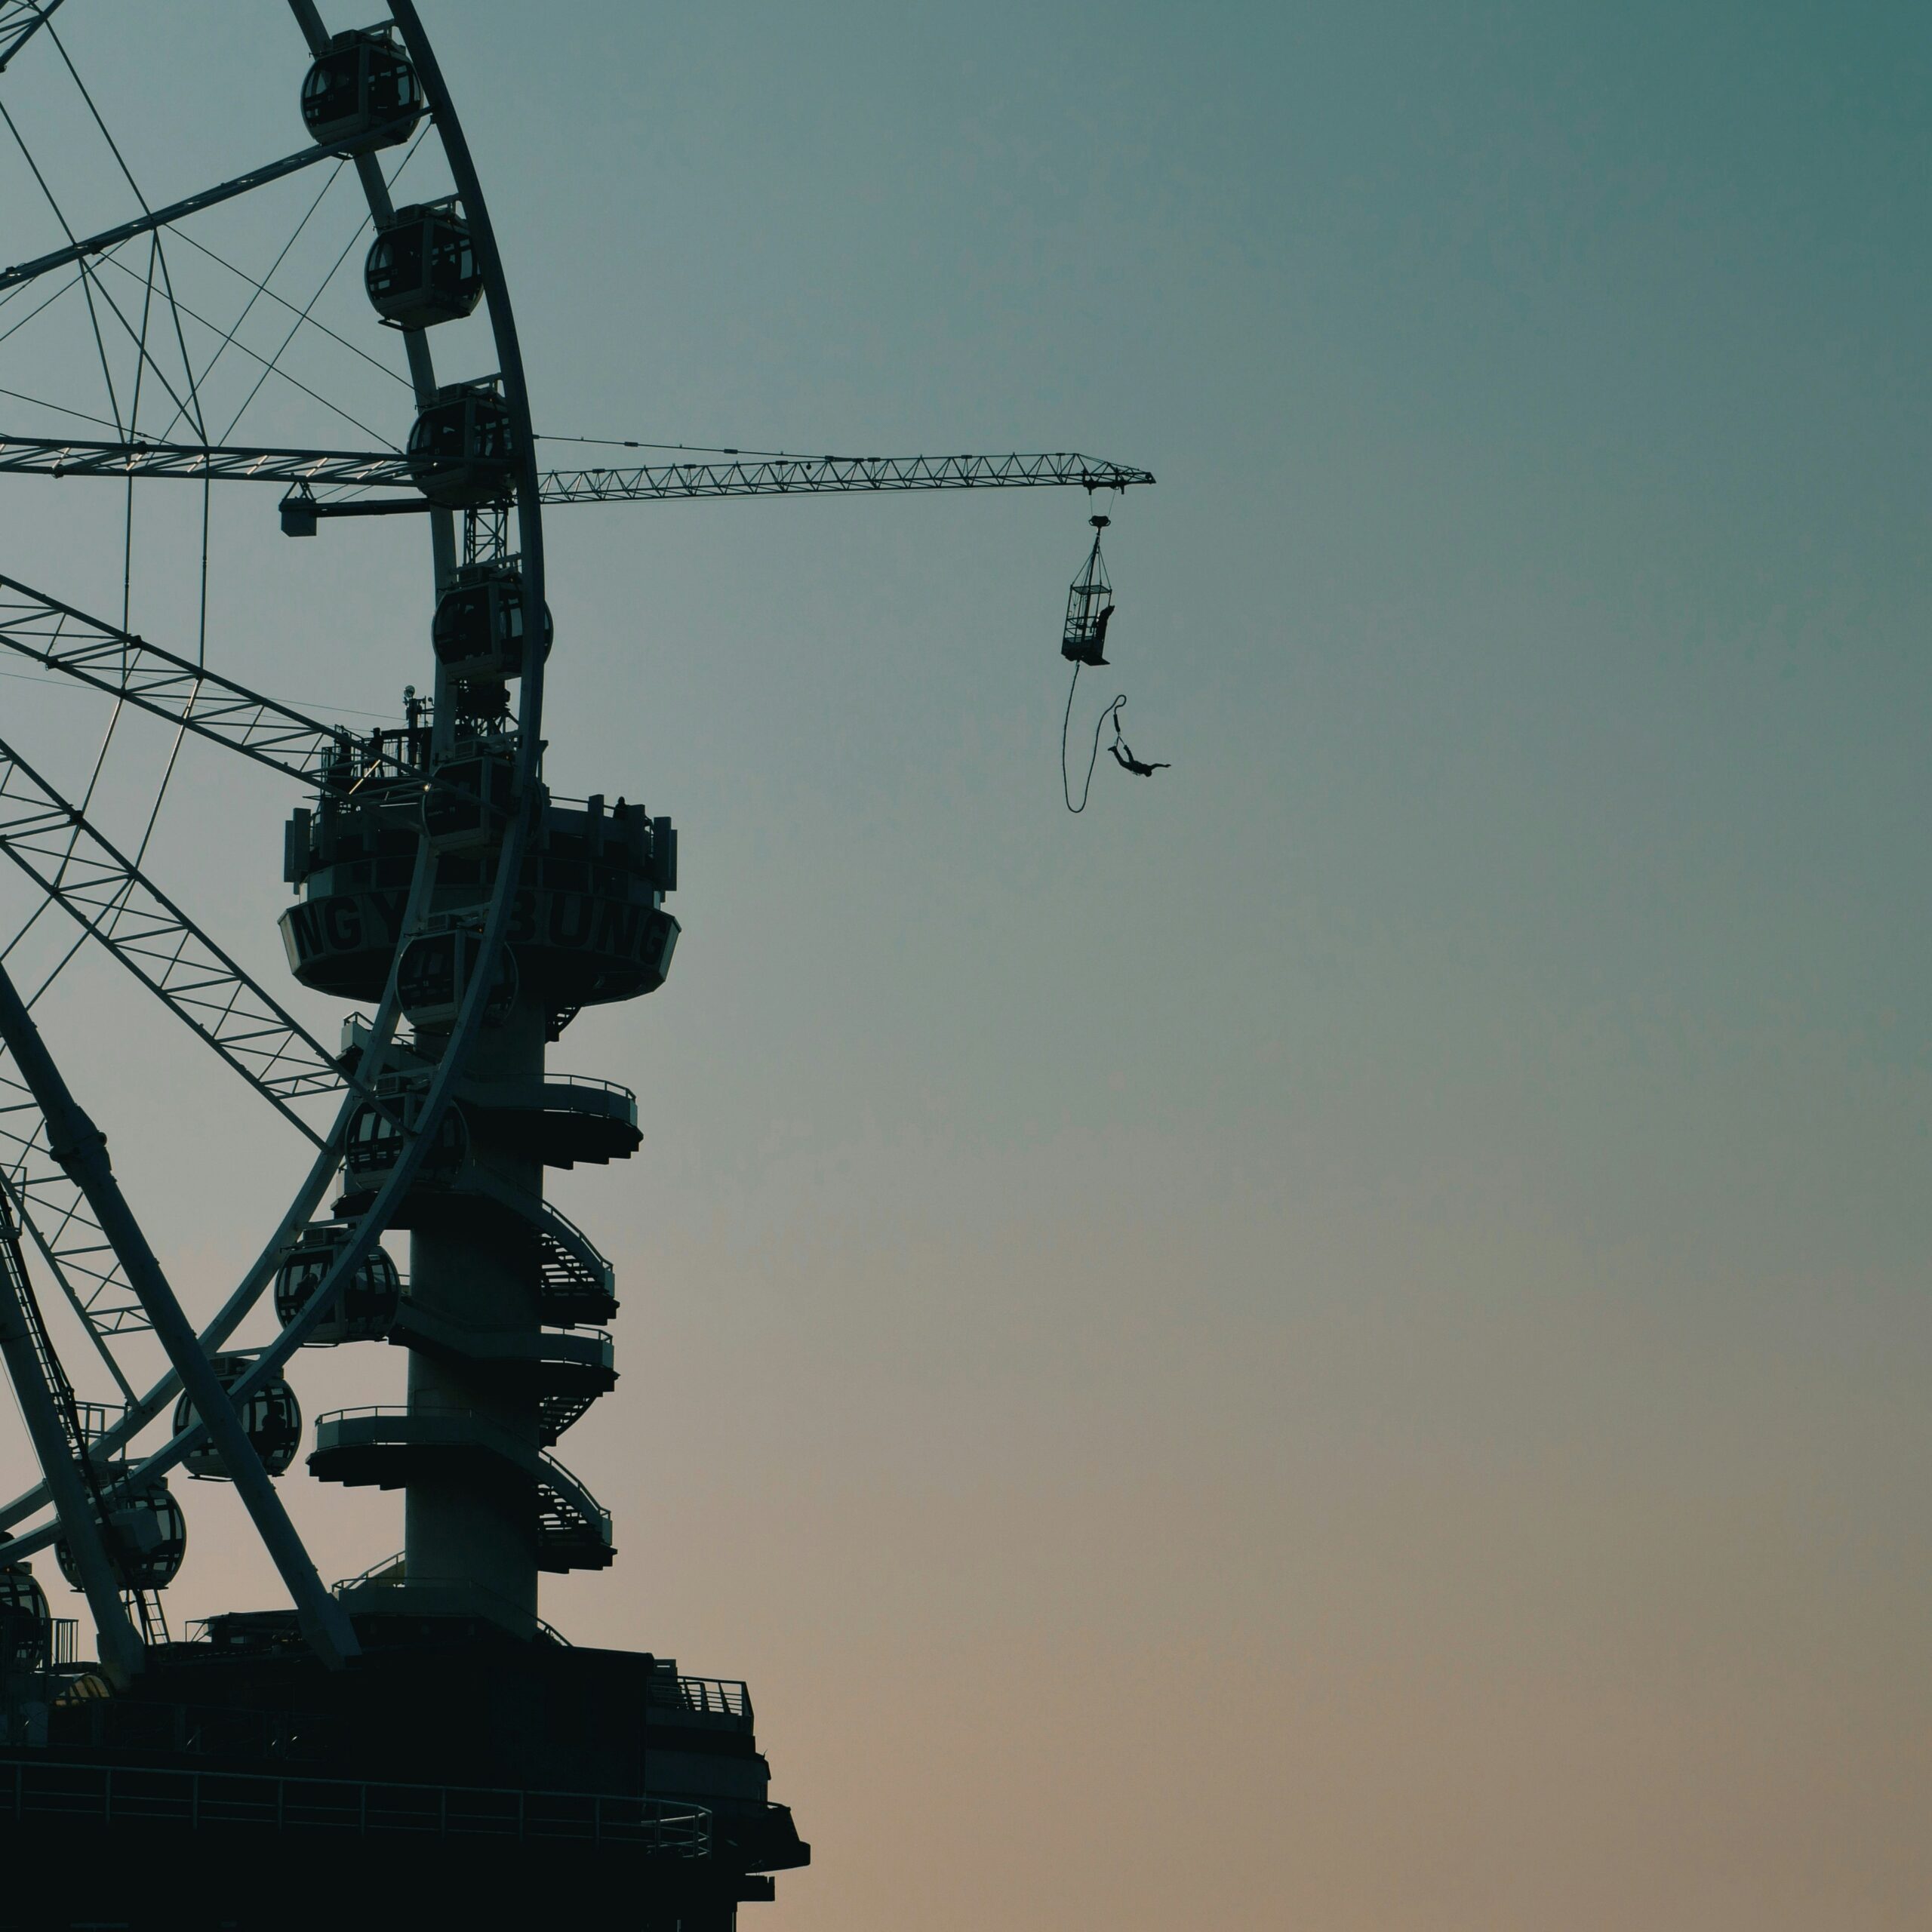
474 1525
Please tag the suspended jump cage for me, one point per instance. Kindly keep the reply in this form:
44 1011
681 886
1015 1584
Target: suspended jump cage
1090 606
207 337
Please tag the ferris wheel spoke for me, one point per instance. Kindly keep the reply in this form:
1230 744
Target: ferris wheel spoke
92 287
262 290
271 364
85 278
80 249
91 254
157 257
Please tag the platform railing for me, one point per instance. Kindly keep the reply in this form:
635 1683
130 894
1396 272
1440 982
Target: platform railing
108 1794
387 1570
707 1697
391 1572
402 1411
591 1080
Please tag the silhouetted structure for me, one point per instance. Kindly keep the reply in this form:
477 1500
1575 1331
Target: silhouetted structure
414 1746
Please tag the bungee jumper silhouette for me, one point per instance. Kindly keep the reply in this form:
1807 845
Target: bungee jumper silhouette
1124 756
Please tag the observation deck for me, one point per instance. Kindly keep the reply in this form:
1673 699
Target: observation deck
588 925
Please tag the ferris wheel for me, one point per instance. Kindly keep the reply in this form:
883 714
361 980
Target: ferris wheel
323 336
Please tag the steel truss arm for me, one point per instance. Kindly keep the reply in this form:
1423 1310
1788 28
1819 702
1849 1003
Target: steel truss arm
52 842
55 1214
763 476
145 224
40 455
770 476
125 666
787 476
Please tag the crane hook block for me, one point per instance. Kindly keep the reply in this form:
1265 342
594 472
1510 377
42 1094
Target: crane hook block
1089 605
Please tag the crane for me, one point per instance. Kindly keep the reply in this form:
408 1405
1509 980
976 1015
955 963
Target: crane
340 475
320 483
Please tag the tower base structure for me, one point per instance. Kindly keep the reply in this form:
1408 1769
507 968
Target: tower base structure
451 1775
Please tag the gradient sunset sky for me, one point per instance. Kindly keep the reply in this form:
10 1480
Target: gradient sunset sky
1341 1344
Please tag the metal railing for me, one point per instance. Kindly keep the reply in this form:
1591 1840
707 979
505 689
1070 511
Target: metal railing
403 1412
707 1697
591 1080
96 1418
108 1794
388 1571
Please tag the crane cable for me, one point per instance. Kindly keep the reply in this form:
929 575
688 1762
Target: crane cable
1113 711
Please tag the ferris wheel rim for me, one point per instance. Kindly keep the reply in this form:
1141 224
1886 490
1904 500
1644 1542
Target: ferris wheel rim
371 1225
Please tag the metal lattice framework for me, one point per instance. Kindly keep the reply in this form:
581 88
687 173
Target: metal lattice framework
773 475
80 871
113 901
77 1253
122 665
797 475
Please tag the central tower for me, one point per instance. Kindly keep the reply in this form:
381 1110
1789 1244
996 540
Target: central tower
502 1313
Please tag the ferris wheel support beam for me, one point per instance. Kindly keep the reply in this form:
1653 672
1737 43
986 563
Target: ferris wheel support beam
110 897
122 664
121 1651
241 184
82 1149
375 1043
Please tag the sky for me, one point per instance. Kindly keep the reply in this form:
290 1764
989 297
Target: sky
1338 1342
